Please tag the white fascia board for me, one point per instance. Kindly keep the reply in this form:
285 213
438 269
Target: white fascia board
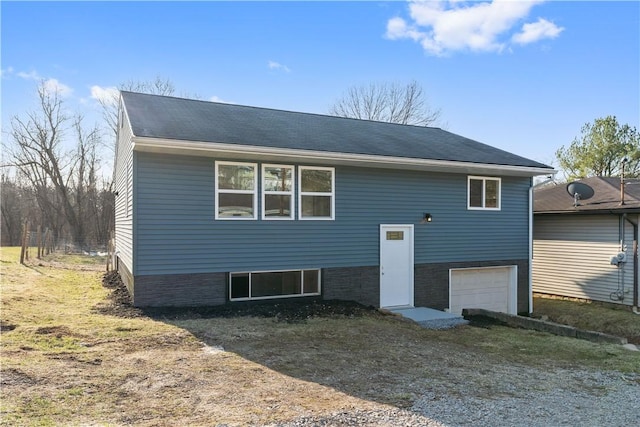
237 151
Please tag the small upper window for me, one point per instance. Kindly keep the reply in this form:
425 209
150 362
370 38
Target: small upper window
483 193
317 190
236 185
277 192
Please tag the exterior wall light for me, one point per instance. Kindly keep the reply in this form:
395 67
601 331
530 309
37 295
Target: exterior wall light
427 217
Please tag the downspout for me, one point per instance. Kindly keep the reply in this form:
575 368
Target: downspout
551 178
636 306
531 247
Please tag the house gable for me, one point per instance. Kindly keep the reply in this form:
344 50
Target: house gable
183 126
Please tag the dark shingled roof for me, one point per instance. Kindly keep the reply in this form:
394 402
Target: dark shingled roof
191 120
556 199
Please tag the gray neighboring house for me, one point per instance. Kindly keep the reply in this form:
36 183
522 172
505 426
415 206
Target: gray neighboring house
218 203
574 246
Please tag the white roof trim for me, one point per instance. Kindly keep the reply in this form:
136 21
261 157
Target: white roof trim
238 151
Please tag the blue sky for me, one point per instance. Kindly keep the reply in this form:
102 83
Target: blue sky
521 76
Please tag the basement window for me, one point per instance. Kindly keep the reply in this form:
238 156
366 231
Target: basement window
273 284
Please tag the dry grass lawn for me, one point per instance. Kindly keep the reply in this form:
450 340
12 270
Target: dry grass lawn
65 362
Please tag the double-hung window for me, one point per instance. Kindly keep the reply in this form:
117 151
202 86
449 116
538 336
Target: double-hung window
277 192
317 192
483 193
236 196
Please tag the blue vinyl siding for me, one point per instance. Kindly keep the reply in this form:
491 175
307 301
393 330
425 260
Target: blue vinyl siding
176 231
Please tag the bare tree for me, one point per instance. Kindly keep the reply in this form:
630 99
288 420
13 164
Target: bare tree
109 104
16 204
56 159
387 102
62 180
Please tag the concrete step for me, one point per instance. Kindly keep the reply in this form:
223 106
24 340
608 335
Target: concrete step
429 318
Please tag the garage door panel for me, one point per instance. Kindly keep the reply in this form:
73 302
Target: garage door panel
481 287
491 288
492 298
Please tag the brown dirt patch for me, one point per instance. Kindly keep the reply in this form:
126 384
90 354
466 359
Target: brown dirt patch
118 302
14 377
6 326
56 331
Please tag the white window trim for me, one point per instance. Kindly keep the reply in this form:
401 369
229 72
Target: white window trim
306 193
281 193
250 298
254 192
484 180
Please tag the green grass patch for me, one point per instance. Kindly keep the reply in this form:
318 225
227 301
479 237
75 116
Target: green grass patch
76 259
541 349
592 316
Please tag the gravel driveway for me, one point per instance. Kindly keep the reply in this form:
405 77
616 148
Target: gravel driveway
510 396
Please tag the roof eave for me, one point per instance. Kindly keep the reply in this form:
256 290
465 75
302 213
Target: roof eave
237 151
612 211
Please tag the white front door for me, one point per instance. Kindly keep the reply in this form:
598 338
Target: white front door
396 265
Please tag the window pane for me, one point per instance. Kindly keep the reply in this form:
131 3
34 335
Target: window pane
311 285
491 194
240 285
235 205
316 206
277 179
277 206
395 235
273 284
318 181
475 193
235 177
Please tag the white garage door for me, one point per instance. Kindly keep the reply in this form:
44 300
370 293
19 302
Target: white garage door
491 288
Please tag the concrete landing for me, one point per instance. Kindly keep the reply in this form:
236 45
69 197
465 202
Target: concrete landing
429 317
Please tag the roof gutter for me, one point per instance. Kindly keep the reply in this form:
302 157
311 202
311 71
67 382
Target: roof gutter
627 210
232 151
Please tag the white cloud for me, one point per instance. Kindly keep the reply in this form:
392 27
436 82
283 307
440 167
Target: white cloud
448 26
105 95
50 85
5 72
215 98
31 75
273 65
535 31
397 29
54 86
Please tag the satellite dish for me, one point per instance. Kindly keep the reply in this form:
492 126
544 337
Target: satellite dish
579 191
